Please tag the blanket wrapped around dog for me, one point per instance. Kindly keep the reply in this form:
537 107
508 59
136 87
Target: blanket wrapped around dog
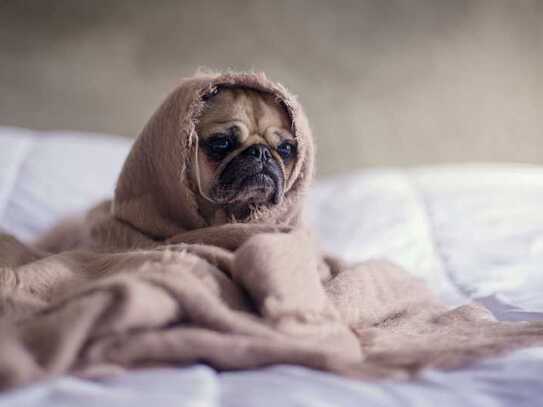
145 281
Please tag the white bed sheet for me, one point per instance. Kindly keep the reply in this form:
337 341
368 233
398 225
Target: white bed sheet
471 231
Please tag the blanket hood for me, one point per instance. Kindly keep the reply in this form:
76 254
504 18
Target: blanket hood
156 192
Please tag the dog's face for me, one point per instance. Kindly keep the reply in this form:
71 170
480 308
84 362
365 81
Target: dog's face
246 150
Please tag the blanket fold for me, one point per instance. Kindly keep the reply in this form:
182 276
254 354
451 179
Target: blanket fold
144 281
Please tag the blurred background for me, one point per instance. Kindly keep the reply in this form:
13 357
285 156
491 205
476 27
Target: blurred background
384 82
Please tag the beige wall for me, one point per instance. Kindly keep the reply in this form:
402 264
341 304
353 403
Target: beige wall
384 82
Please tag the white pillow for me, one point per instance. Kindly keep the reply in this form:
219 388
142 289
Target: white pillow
45 176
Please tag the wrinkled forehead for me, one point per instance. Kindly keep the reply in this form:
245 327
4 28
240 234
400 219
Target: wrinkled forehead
256 110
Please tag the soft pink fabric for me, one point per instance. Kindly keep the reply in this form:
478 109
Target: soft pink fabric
144 281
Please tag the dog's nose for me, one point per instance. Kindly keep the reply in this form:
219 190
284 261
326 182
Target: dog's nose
259 151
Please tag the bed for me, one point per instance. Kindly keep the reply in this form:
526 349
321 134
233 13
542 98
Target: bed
472 232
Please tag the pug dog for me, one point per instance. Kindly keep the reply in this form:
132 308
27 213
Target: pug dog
246 153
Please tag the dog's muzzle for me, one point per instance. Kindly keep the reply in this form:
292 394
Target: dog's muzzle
255 168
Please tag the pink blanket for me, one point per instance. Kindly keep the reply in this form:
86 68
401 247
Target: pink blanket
144 281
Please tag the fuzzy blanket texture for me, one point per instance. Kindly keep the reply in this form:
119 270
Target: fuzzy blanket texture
143 280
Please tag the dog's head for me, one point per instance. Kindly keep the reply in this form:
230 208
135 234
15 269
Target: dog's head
221 148
246 150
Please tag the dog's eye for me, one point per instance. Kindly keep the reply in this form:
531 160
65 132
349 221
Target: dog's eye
286 150
219 145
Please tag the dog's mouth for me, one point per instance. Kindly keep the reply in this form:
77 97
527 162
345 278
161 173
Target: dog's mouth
244 182
260 181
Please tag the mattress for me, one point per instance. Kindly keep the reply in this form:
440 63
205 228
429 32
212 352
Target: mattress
472 232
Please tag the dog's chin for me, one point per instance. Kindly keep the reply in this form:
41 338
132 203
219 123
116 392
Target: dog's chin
258 188
252 191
